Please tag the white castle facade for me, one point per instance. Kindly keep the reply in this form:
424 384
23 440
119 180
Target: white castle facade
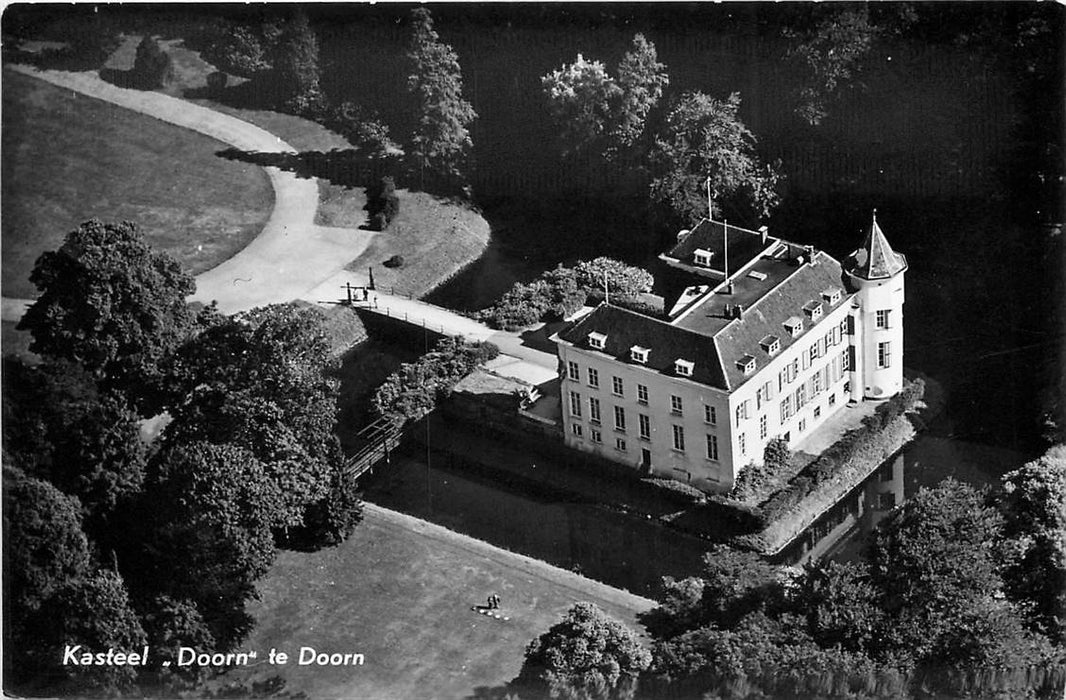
770 340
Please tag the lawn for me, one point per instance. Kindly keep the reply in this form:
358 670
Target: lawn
68 158
400 592
436 237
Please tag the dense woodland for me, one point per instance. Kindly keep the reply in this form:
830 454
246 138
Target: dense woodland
603 128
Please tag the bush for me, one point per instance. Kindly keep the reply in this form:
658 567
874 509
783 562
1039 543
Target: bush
363 130
394 261
382 203
243 51
216 82
562 291
415 389
152 68
691 493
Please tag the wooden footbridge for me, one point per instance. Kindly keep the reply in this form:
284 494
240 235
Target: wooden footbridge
378 440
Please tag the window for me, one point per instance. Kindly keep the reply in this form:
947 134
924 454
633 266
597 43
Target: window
645 426
597 340
638 354
786 408
746 364
619 418
813 352
595 435
833 399
642 394
845 358
594 378
743 444
575 404
710 415
802 425
882 318
576 429
886 501
771 344
683 368
743 410
620 444
616 386
679 438
702 257
712 447
762 427
817 411
594 409
884 355
575 374
675 405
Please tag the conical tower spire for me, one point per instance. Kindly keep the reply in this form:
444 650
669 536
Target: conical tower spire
876 259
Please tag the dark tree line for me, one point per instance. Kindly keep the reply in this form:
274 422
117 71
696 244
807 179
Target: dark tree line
154 461
958 594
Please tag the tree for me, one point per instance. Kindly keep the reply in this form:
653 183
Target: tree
586 655
622 280
581 97
839 604
1034 505
44 546
110 304
641 79
246 51
705 138
95 613
208 510
829 54
595 111
152 66
938 556
170 624
295 67
382 203
441 139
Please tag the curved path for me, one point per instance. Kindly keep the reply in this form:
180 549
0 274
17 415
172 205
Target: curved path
290 256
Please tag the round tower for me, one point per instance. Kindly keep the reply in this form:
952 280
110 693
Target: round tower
876 273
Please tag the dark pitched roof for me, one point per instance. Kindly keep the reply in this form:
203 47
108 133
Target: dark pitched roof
767 316
876 259
666 343
710 235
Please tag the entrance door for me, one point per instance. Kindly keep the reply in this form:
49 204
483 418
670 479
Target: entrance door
645 458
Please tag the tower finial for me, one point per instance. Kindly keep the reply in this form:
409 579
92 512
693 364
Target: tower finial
875 215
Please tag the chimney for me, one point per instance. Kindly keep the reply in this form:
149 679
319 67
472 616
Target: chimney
764 231
738 311
808 250
729 287
681 234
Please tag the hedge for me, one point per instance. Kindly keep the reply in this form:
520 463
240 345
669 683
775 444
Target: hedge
417 387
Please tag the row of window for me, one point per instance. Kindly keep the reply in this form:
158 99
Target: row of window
677 434
710 414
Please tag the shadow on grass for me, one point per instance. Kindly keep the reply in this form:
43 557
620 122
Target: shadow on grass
342 167
495 692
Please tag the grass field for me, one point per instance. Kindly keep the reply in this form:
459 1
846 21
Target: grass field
400 592
68 158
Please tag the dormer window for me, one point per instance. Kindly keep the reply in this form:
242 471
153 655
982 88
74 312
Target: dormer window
702 257
813 309
832 295
794 325
746 363
639 354
597 340
683 368
771 344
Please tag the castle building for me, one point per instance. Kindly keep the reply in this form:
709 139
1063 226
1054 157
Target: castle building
769 339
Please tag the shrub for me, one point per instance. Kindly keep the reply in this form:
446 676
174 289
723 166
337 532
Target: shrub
394 261
382 203
559 292
363 130
691 493
415 389
152 68
243 51
216 82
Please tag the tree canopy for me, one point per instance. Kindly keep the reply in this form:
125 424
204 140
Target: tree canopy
597 111
703 138
440 143
295 67
109 303
587 655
